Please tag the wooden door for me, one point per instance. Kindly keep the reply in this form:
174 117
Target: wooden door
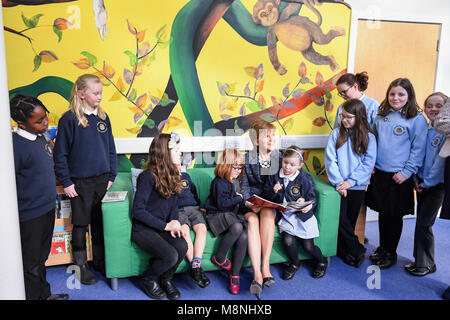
388 50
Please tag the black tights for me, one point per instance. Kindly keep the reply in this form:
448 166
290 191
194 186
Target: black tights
235 234
79 238
307 245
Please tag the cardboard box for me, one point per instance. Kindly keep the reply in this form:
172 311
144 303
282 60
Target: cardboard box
61 250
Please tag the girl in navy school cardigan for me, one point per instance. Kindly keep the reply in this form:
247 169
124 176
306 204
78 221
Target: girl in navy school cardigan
36 193
291 183
400 130
225 217
349 160
156 228
86 166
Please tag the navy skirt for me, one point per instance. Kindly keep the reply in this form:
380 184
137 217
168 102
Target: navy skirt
388 197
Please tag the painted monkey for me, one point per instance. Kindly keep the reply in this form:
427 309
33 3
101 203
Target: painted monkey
295 32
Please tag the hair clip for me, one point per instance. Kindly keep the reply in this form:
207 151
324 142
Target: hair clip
174 139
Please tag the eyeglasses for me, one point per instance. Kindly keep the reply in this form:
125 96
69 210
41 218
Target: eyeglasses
343 92
237 168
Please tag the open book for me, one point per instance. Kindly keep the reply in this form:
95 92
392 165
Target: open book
111 196
283 207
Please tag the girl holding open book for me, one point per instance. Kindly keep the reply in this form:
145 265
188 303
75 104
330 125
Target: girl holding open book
291 183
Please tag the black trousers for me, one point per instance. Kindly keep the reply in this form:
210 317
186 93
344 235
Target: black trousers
87 209
36 240
428 204
167 252
390 229
348 242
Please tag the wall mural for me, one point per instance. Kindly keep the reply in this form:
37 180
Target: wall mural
165 65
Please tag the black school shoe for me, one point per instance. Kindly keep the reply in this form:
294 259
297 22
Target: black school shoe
387 261
58 296
377 255
171 291
290 271
199 277
420 272
320 270
152 289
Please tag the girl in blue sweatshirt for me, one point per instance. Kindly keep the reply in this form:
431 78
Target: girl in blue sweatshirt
36 193
401 132
156 228
86 166
429 186
349 160
225 217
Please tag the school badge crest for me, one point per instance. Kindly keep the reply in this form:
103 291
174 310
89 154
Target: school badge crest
184 184
49 149
399 130
102 127
436 141
295 190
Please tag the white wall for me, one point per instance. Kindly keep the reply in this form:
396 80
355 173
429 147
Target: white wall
432 11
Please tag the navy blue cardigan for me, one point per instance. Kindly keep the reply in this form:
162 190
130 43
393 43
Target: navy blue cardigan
222 196
301 187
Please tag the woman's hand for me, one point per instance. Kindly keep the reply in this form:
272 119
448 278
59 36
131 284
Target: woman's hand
70 191
252 207
399 178
344 185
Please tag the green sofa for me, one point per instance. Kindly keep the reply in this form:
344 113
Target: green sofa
124 258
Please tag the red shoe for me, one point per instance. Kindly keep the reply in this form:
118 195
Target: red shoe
222 265
234 288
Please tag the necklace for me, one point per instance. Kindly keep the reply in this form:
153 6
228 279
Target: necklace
264 163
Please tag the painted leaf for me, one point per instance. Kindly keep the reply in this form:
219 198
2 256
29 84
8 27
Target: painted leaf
225 116
165 100
262 101
135 130
144 49
138 69
120 85
132 56
141 36
155 100
232 87
247 91
149 123
173 122
267 117
91 58
277 101
302 70
286 91
63 24
304 80
136 118
47 56
316 163
297 93
58 32
37 62
306 156
116 96
132 95
127 75
221 88
131 28
232 104
236 125
135 110
319 100
318 122
108 70
32 22
289 105
259 86
328 94
260 72
328 106
162 124
251 71
252 106
83 63
161 34
226 88
141 101
223 104
319 78
242 110
288 124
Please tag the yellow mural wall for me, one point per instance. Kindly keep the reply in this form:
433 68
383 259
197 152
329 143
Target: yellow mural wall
226 62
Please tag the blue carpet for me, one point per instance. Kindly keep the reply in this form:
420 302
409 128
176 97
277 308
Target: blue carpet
342 282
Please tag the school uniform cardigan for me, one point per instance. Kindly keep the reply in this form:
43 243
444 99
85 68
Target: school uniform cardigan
344 164
84 152
432 170
222 197
151 209
302 186
188 195
254 177
35 176
400 143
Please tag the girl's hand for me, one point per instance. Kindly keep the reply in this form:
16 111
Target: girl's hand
109 185
399 178
203 210
417 187
277 187
344 185
307 208
342 192
70 191
300 200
